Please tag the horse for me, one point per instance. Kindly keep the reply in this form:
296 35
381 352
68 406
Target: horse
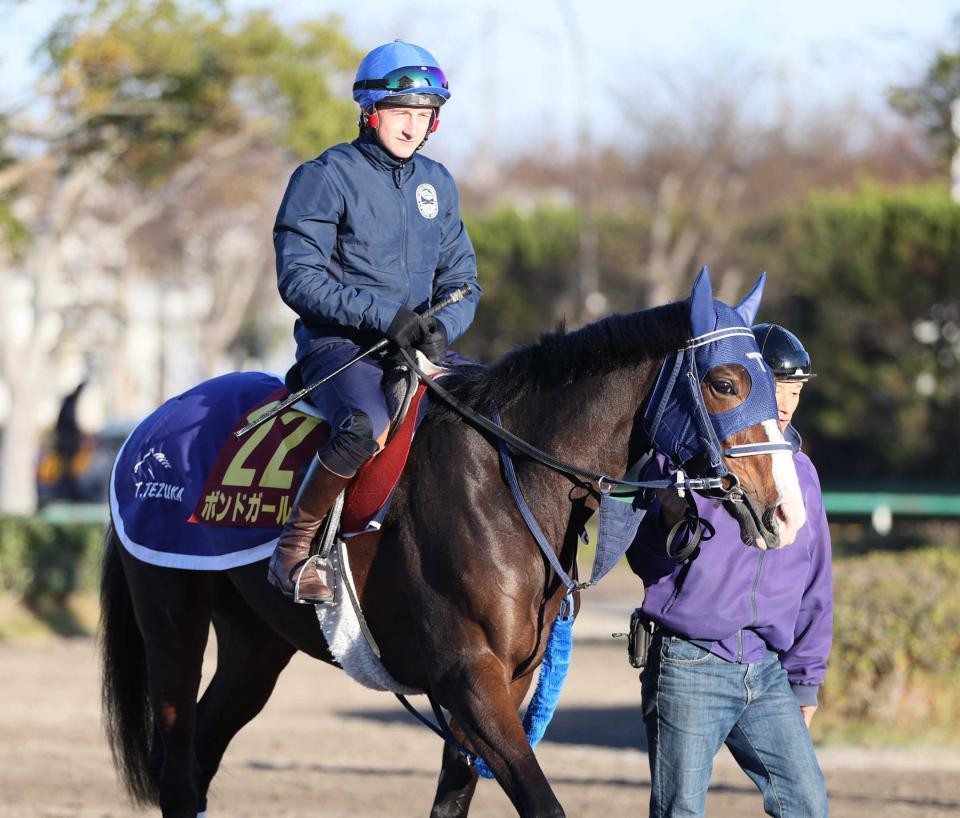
453 586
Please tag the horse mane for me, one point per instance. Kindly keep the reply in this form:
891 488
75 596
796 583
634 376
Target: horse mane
560 358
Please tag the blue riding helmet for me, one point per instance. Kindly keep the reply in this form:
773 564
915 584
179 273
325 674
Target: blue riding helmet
676 418
400 69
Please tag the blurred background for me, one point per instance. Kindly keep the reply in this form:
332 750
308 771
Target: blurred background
604 152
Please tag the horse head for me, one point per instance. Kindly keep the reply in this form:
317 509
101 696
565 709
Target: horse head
713 411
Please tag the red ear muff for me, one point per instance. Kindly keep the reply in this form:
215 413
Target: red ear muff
374 120
435 124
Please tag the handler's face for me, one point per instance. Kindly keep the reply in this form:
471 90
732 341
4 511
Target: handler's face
788 397
401 130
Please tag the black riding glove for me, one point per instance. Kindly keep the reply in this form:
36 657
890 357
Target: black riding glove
407 329
434 344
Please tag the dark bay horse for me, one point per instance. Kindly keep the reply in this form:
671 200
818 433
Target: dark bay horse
453 586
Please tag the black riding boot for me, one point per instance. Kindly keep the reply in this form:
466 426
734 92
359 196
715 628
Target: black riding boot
317 494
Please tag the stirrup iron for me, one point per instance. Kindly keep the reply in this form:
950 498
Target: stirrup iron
327 576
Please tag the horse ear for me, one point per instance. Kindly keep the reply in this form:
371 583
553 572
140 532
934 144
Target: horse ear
747 309
703 316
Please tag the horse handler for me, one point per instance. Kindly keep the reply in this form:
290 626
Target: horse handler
738 638
368 234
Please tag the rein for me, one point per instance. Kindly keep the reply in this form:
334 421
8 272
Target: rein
518 444
683 367
528 517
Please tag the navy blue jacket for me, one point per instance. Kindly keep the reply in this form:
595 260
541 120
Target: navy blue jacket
361 233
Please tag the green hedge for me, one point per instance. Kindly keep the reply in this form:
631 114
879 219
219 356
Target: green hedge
855 275
867 279
529 268
895 667
42 561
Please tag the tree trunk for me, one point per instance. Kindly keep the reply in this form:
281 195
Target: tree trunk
20 444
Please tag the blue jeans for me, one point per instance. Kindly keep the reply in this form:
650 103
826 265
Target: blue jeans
694 702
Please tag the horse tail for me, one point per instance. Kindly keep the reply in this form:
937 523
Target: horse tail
127 715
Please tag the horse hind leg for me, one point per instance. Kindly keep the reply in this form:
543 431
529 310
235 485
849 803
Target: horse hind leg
250 658
477 693
173 610
456 784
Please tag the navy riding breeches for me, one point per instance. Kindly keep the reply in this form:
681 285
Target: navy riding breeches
352 403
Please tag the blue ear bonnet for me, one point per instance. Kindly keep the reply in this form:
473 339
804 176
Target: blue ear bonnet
676 419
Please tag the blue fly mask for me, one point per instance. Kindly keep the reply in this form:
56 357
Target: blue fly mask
676 419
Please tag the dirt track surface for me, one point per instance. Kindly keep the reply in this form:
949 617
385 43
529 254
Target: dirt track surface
326 747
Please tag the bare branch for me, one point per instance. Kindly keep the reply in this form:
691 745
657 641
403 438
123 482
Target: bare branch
19 172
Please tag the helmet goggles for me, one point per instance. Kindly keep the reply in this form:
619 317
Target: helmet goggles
406 79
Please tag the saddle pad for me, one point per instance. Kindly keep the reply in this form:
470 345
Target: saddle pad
369 494
185 493
342 632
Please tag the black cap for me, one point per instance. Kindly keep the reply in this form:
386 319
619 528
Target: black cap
783 352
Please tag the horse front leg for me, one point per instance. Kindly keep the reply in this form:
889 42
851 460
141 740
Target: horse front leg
477 692
458 780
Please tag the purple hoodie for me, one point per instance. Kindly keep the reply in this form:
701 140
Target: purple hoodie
735 600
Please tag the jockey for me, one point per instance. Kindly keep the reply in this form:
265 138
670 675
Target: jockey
368 235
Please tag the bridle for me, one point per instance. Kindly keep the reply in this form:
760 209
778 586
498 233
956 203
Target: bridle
677 391
684 369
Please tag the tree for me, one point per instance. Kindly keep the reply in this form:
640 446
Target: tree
146 106
691 173
867 281
929 102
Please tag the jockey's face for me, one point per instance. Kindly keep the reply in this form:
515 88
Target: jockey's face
788 397
402 129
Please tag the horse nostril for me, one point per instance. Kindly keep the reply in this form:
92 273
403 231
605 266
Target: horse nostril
772 525
770 517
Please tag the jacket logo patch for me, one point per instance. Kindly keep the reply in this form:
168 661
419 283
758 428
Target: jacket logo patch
427 201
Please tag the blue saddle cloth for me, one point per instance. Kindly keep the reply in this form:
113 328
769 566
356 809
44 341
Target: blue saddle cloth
157 489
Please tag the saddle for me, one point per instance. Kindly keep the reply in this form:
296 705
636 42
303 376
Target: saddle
399 386
254 480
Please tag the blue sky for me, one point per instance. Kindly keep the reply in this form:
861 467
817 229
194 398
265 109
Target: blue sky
518 70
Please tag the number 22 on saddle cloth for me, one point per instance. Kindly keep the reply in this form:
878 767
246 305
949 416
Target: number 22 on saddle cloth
255 479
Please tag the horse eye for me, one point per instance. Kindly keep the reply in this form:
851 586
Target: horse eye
723 387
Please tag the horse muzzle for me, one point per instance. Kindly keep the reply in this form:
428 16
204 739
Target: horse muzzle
771 528
758 529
